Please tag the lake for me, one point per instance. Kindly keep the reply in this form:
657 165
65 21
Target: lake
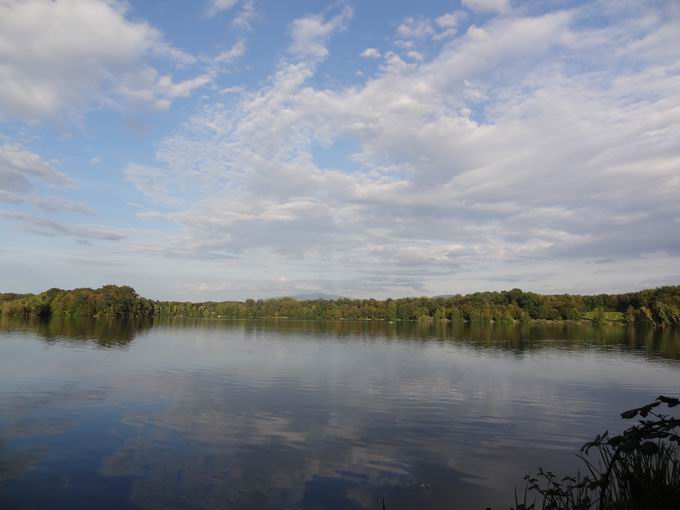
189 414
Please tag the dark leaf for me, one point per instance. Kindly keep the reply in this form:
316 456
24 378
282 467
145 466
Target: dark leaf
669 401
629 445
616 440
631 413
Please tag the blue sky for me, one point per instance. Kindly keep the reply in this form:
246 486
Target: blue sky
248 148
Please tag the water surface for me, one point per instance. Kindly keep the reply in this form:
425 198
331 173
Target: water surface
312 415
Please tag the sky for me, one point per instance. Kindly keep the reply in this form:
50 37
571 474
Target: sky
224 149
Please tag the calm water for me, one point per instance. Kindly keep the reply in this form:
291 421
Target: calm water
257 415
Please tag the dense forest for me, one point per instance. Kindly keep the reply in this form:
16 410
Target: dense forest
659 306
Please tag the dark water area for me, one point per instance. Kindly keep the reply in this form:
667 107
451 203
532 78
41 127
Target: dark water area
182 414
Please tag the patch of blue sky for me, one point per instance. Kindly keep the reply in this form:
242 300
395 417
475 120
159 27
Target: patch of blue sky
340 155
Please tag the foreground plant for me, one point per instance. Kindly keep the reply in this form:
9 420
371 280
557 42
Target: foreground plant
638 469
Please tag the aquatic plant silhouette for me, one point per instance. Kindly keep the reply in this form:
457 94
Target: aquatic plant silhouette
634 470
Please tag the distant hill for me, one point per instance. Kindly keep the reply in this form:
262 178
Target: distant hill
312 296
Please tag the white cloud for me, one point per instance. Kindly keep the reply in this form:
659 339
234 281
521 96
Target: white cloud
232 90
487 5
228 56
415 28
310 34
450 19
244 19
156 91
370 53
171 90
216 6
70 55
449 24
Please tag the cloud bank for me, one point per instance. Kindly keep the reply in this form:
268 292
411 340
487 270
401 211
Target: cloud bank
526 141
497 145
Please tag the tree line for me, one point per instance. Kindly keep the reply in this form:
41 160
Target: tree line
660 306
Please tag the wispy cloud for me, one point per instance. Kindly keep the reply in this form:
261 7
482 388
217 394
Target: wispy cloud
43 226
20 169
216 6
